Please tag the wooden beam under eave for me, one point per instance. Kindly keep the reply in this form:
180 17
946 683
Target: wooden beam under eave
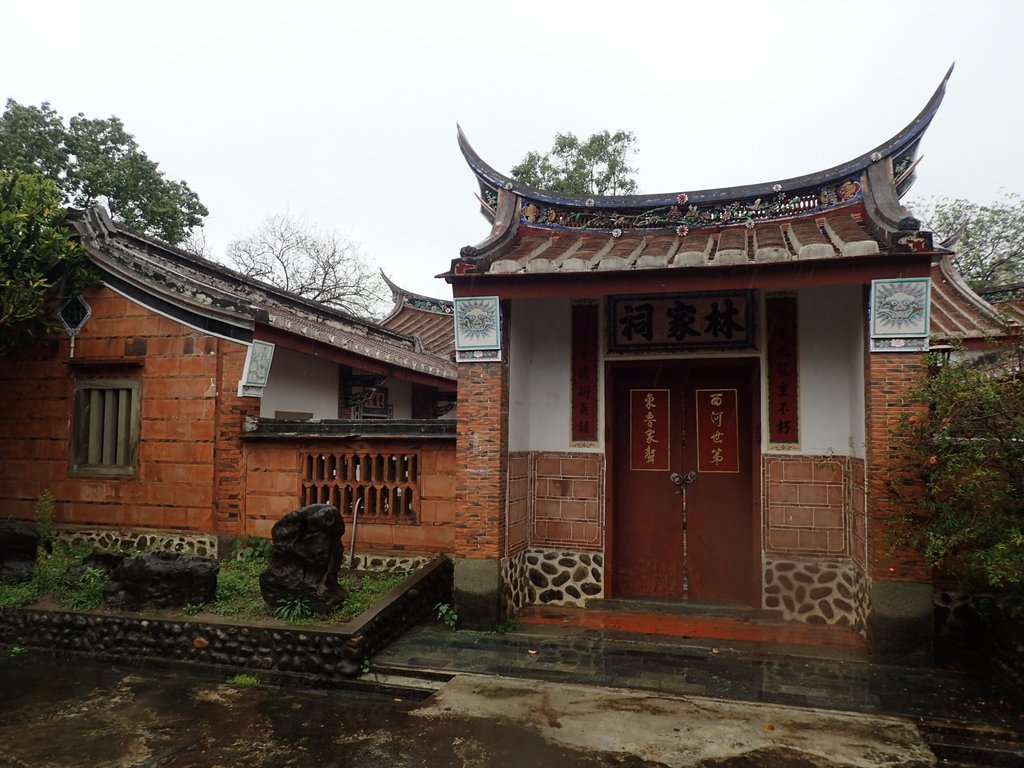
315 348
780 275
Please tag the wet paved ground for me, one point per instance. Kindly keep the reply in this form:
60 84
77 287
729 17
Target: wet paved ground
548 694
70 713
750 672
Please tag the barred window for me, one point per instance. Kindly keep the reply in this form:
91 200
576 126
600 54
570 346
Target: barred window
106 427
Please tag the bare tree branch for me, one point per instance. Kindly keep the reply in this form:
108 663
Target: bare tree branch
323 266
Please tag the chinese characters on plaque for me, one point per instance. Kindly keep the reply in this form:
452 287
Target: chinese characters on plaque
681 321
649 429
717 431
783 411
584 372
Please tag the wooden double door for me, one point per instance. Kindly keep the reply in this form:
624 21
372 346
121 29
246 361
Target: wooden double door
683 474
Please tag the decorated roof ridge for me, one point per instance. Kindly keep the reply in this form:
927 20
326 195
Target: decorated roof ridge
204 289
96 221
901 148
403 297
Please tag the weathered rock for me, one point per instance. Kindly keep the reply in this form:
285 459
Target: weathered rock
19 543
163 580
306 558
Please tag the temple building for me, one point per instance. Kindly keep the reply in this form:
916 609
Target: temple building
689 396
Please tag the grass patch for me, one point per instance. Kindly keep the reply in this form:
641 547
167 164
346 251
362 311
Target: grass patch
238 595
245 681
51 577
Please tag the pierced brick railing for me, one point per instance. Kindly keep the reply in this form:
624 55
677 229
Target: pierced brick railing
403 471
386 483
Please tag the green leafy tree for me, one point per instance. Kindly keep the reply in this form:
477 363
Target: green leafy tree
964 473
597 166
98 160
40 265
989 238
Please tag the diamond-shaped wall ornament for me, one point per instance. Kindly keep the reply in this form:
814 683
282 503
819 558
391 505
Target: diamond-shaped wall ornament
73 315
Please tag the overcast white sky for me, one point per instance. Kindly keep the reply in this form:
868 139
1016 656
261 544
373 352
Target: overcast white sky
345 113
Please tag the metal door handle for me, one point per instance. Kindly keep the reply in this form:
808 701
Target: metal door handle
686 479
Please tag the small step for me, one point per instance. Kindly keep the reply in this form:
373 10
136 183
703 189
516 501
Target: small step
685 608
425 682
967 746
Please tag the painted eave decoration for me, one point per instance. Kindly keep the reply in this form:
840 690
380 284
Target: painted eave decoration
899 314
850 210
477 329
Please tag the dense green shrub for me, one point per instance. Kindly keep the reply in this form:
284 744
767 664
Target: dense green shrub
964 474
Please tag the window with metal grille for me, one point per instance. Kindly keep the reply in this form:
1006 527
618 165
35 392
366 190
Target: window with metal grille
106 427
385 486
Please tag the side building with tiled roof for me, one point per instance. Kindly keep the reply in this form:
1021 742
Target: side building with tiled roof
187 400
689 396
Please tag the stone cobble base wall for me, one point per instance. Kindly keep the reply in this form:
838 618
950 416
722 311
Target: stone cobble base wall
391 563
319 656
552 577
128 541
817 592
515 587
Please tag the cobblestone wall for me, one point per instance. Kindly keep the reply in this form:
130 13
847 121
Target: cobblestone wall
319 656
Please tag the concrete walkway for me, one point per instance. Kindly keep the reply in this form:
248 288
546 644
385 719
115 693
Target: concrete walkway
961 715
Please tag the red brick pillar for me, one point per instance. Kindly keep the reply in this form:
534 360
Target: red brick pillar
232 410
482 465
900 611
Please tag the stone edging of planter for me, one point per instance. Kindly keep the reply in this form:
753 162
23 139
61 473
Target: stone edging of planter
313 655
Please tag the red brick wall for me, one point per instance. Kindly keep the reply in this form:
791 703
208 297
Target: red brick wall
857 511
806 504
184 457
482 460
889 378
518 502
232 410
273 481
568 500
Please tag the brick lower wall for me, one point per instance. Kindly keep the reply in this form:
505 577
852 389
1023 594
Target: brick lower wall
519 502
806 505
568 500
857 524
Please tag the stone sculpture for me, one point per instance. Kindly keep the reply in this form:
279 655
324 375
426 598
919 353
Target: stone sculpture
306 558
159 579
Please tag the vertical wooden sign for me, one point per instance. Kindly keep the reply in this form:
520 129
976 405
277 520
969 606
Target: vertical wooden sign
717 431
783 406
584 372
649 445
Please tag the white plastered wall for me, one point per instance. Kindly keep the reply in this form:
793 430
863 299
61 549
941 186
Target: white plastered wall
831 385
540 381
301 383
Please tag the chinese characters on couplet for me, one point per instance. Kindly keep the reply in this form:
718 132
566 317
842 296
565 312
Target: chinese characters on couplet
649 429
717 431
681 321
783 411
584 372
